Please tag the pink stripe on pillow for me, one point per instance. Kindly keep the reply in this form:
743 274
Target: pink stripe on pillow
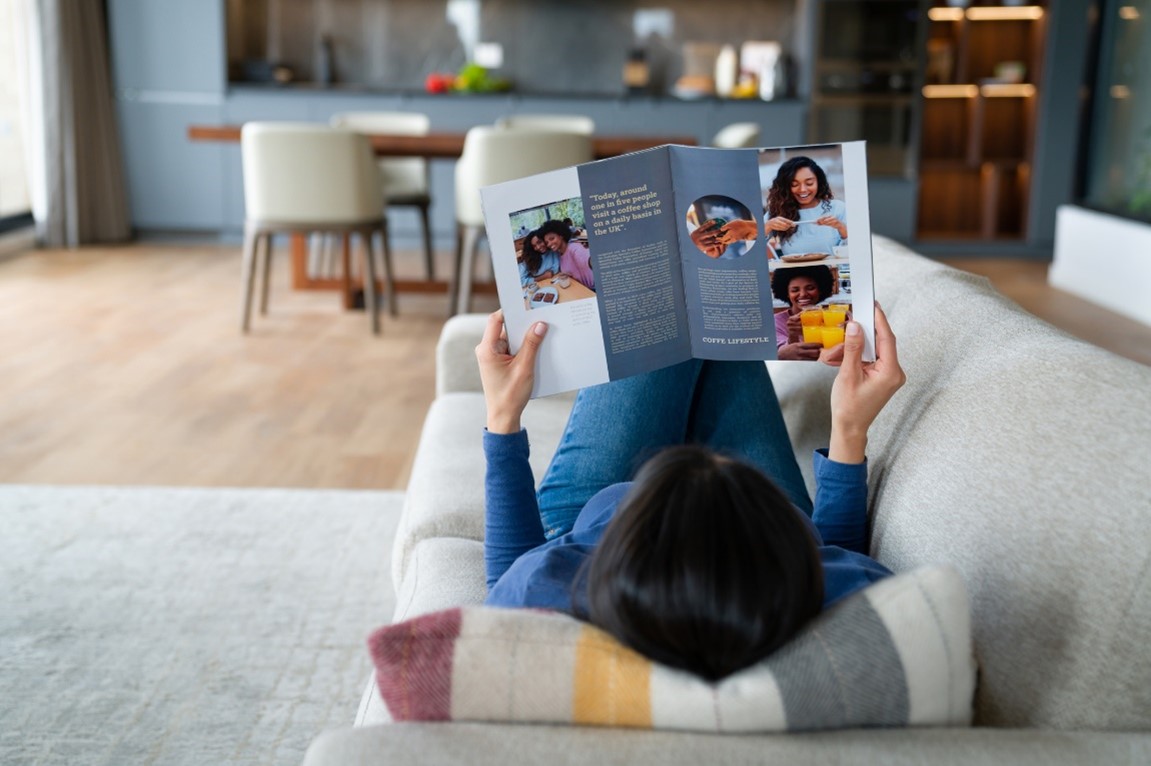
414 665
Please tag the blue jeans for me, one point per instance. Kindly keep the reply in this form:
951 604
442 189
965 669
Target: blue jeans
730 407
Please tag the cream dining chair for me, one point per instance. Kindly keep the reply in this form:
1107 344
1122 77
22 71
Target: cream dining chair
310 178
574 123
492 155
405 179
737 135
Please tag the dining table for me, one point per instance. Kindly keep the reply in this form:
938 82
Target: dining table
450 145
565 291
442 145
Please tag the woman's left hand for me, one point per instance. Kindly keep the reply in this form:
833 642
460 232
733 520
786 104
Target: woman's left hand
507 379
835 223
706 237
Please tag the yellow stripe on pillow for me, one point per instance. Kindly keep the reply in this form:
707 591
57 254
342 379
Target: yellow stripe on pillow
611 684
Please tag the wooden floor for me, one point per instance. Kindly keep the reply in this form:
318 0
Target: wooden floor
126 366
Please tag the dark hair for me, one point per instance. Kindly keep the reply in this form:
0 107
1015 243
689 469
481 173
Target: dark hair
555 227
706 566
532 258
781 278
780 200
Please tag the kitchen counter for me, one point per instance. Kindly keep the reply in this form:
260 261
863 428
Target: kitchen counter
344 89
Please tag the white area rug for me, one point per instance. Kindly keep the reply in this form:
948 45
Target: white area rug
185 626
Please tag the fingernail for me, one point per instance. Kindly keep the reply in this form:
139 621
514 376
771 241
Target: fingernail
852 328
540 328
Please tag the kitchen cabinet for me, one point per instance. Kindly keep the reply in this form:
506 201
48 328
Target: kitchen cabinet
979 117
208 193
168 70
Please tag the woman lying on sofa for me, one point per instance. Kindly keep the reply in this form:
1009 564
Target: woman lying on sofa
712 556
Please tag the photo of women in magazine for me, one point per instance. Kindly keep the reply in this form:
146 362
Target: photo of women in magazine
552 253
805 220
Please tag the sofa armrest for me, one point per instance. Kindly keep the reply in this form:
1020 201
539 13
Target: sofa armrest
477 744
456 368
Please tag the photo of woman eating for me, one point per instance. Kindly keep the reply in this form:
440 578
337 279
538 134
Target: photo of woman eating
802 212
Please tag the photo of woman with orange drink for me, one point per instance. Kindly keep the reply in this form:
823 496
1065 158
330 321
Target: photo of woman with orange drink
806 327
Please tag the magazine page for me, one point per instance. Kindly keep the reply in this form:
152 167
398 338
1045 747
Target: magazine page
632 234
644 260
543 270
769 268
723 253
817 220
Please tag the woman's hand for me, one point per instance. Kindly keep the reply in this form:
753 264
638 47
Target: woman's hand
507 379
794 327
835 223
738 230
800 352
707 238
779 223
862 389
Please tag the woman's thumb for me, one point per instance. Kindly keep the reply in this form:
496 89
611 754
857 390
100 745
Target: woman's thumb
532 340
852 345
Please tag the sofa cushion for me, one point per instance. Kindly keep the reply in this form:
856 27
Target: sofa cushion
1018 454
445 496
897 653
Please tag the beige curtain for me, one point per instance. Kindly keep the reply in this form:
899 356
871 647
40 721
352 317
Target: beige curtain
78 189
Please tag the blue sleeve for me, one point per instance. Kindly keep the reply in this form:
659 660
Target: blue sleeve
512 525
551 262
841 503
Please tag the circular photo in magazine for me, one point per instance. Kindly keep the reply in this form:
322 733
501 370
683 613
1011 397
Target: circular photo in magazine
721 227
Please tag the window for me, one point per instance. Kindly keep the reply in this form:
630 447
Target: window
1118 169
15 204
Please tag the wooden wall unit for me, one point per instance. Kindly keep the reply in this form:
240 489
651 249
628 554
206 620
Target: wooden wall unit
979 121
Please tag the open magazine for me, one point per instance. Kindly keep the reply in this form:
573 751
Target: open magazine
648 259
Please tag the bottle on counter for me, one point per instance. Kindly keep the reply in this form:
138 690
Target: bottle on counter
325 61
636 72
726 71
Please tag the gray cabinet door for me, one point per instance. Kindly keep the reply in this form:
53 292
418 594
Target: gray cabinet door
171 46
173 183
169 70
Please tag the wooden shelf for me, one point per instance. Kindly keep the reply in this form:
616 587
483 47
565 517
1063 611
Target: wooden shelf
978 132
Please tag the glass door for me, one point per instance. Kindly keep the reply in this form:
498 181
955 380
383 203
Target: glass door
1118 168
866 77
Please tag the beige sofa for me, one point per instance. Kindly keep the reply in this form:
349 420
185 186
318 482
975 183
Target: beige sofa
1016 453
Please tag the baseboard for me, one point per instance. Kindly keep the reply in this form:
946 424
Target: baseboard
1104 259
15 242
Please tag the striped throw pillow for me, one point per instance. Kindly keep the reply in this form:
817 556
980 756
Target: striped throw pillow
897 653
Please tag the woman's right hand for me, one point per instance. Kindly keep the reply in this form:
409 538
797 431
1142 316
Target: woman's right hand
507 379
779 223
794 327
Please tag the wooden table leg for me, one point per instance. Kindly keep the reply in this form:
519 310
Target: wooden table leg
346 261
299 250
